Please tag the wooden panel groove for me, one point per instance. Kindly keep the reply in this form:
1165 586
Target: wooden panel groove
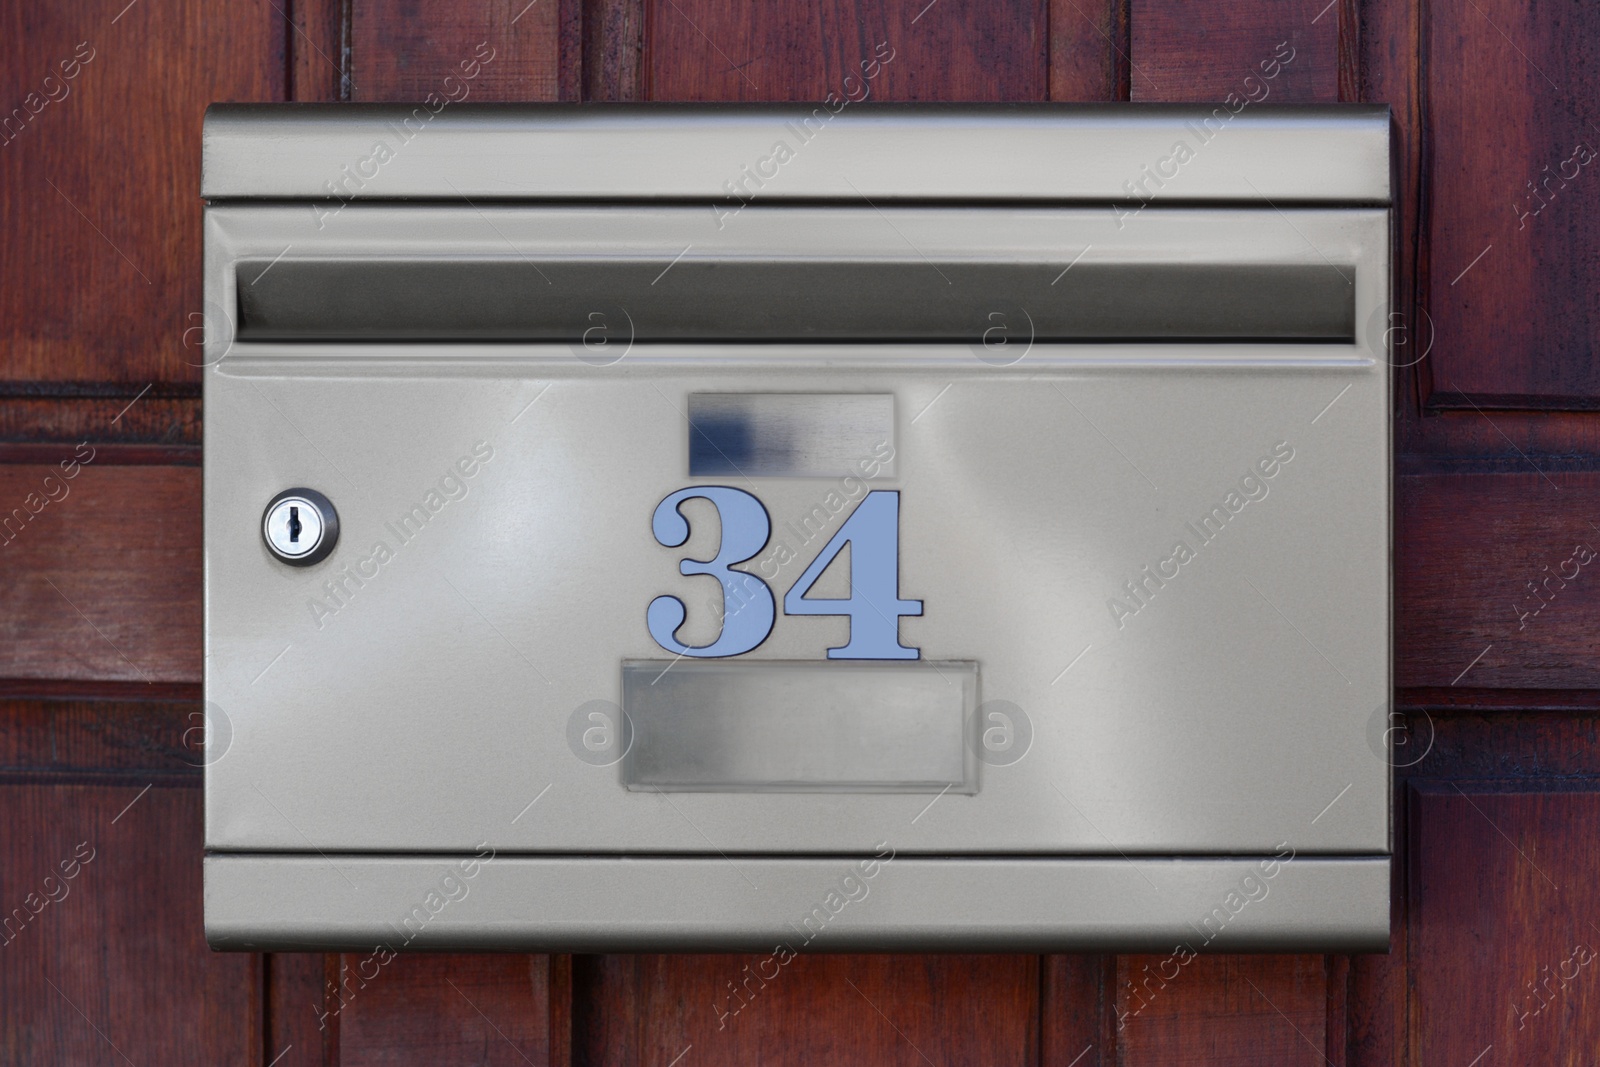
1349 12
39 420
317 58
613 50
1076 1027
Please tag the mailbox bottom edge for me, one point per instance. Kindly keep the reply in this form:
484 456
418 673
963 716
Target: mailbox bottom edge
883 903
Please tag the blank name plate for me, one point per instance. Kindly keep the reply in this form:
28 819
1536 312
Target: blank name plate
800 726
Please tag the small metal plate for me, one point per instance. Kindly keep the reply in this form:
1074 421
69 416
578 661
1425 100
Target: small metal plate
800 727
793 435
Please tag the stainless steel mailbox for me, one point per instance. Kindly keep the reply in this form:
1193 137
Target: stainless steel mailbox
959 528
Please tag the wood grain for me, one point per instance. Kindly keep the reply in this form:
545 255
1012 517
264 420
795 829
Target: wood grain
613 50
941 50
103 571
426 1008
1088 50
1077 1027
1222 1010
1479 581
842 1010
120 416
1505 948
1259 50
110 965
446 51
316 43
99 188
1511 265
293 1022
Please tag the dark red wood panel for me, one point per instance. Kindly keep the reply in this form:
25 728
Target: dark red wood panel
613 49
1505 942
422 1008
100 105
102 954
297 1026
122 415
1179 1010
889 50
103 570
781 1009
1512 264
1088 50
1076 1021
316 42
1256 51
443 52
1494 582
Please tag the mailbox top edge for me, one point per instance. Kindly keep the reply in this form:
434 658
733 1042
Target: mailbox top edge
1233 151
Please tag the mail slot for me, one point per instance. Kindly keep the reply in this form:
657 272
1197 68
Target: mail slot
720 528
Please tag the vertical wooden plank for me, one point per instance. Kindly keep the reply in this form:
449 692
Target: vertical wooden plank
1506 949
1221 1011
1511 241
780 1010
316 42
101 948
607 1004
1389 50
1350 54
100 112
560 1010
1258 51
569 51
1088 50
1076 1026
613 50
442 52
424 1008
1375 1033
1337 1025
296 1013
881 50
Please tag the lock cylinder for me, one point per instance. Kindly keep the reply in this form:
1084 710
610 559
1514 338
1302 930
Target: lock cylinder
300 527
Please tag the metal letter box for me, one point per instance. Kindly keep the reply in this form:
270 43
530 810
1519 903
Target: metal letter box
875 528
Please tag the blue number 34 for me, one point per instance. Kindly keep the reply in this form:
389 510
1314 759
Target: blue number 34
749 610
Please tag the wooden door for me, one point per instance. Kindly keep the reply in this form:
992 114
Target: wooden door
1496 910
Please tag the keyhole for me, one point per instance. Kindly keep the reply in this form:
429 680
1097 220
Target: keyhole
294 525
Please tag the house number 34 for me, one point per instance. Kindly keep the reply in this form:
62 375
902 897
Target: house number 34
749 608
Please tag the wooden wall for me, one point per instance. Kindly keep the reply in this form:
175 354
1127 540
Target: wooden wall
1496 434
